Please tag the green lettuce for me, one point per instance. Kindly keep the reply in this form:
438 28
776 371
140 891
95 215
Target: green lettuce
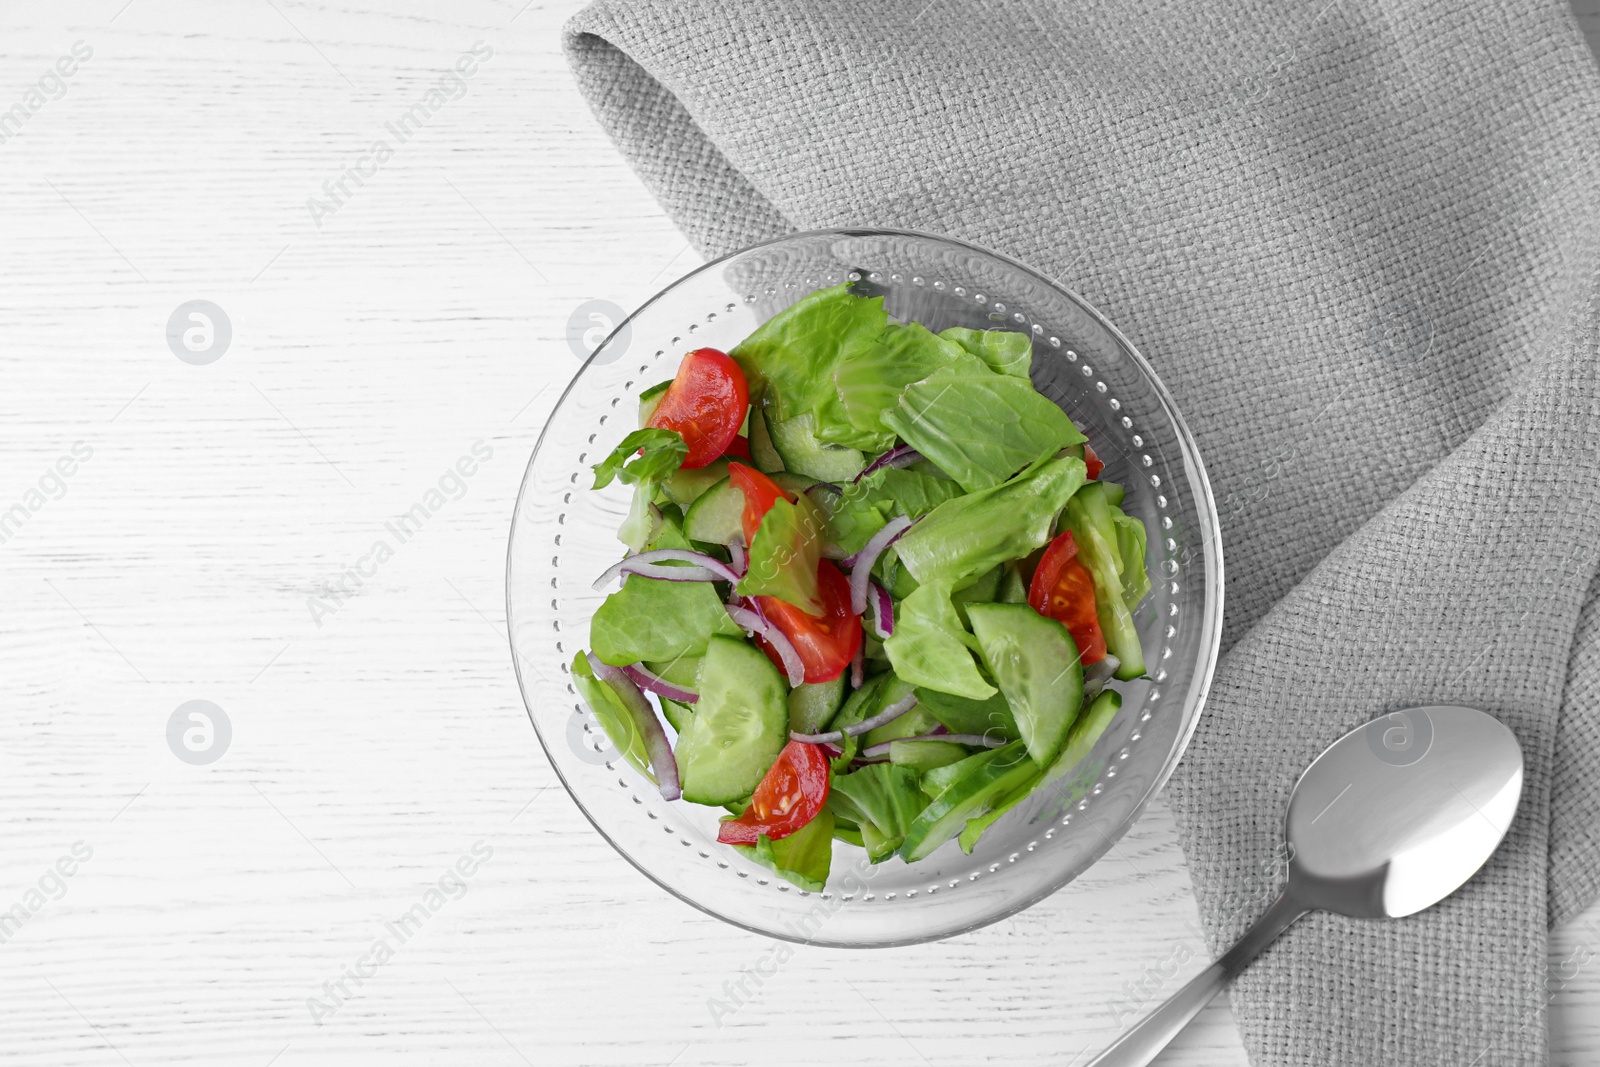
968 535
792 356
962 715
931 649
611 714
649 619
1005 351
1130 556
663 453
872 376
868 505
980 427
803 857
784 555
883 798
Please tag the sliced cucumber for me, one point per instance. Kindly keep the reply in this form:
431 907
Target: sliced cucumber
716 516
982 780
1085 732
686 486
1035 665
762 454
684 671
926 755
739 726
813 704
802 453
650 399
790 482
678 715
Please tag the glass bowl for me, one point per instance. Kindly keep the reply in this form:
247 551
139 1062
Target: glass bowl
563 535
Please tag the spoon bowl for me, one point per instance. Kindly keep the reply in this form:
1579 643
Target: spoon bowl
1399 813
1392 818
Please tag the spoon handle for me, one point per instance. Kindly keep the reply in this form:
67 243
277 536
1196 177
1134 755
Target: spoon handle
1144 1042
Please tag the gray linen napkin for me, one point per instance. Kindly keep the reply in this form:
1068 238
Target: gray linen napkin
1358 240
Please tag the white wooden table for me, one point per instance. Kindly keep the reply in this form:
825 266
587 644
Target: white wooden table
377 336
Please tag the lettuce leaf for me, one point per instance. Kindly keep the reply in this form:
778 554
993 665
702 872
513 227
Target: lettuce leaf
649 619
980 427
930 648
803 857
1005 351
886 797
663 453
968 535
1130 555
871 377
792 356
1090 518
784 555
868 505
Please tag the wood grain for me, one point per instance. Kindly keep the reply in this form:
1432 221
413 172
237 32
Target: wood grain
374 746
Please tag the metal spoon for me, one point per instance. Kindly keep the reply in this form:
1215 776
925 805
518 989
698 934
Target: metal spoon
1392 818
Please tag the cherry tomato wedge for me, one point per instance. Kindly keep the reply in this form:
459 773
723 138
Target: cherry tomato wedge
1092 461
760 492
826 645
706 403
1062 589
791 794
738 448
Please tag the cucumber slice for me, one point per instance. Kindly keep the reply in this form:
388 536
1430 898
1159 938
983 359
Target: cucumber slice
677 715
926 755
739 726
1085 732
1035 665
790 482
650 399
762 454
716 516
802 453
982 780
685 487
813 704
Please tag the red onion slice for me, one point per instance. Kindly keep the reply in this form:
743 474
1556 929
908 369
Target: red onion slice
977 740
644 679
861 569
858 666
706 568
898 456
656 746
887 715
755 622
738 560
882 610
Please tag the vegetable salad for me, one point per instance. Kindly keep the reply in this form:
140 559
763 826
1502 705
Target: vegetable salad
874 585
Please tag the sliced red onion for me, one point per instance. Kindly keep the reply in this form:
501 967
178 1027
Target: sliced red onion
706 568
961 739
861 568
644 679
739 561
858 666
898 456
882 610
755 622
656 746
887 715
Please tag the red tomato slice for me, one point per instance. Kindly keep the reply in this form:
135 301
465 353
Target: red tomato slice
739 448
760 492
826 645
706 403
1092 461
1063 589
791 794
